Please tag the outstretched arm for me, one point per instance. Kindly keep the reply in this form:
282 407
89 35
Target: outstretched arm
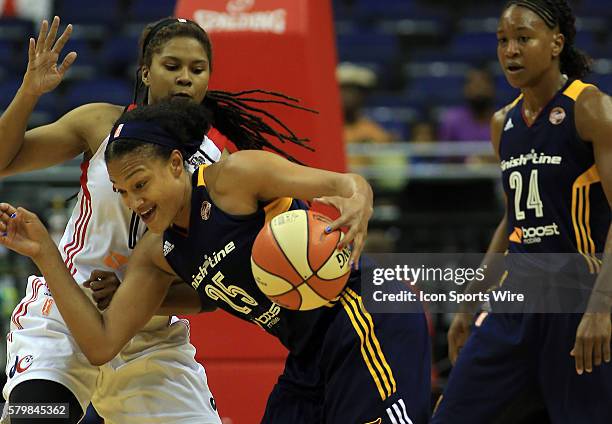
99 335
80 130
250 176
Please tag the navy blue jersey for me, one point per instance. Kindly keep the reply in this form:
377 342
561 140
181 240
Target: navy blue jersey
336 353
556 203
215 259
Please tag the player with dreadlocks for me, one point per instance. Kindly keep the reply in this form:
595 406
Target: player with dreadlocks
45 363
233 114
565 356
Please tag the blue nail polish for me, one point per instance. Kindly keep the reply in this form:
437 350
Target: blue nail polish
328 229
4 234
13 215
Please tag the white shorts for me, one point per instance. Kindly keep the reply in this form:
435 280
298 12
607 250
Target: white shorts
154 379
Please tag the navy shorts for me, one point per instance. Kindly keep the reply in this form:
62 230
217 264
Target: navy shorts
510 353
370 368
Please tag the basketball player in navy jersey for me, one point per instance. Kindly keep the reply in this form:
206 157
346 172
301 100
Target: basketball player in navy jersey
45 363
345 365
554 143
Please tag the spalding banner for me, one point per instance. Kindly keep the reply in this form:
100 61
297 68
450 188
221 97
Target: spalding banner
279 45
286 46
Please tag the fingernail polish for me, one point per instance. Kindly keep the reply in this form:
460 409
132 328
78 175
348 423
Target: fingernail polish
4 234
328 229
13 215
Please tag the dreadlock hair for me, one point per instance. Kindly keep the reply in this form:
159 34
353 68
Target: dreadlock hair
233 114
182 119
574 63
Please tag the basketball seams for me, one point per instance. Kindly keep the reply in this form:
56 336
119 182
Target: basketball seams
279 258
301 299
280 277
278 250
315 271
315 287
285 254
309 296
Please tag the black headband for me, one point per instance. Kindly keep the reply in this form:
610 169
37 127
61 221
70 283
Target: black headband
161 24
148 132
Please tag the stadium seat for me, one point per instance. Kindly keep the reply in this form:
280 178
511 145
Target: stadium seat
16 29
94 12
86 64
445 89
47 109
504 92
113 91
595 7
150 10
603 81
368 47
474 46
119 55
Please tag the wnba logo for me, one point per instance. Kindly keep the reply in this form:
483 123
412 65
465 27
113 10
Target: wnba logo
238 6
205 210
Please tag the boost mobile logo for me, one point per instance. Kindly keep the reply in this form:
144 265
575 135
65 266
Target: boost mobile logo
531 235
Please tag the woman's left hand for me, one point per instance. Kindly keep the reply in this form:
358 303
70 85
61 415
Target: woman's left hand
22 231
355 212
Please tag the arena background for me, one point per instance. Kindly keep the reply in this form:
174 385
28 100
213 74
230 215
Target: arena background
431 195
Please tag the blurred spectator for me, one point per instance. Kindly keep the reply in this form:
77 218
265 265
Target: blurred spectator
385 170
33 10
423 131
355 83
471 121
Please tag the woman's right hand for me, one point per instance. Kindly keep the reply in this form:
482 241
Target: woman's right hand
458 334
43 73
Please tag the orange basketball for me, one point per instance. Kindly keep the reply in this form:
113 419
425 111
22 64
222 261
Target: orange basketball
296 264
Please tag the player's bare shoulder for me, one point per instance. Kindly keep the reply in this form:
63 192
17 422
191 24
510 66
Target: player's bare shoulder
497 125
93 121
593 114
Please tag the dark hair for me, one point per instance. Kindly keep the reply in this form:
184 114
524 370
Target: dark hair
182 119
232 114
574 63
156 34
185 121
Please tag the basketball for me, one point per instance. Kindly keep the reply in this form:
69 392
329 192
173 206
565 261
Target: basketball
296 264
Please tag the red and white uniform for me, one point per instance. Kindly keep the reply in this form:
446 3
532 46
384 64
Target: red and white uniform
155 378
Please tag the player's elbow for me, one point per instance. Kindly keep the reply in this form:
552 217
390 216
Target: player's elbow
100 355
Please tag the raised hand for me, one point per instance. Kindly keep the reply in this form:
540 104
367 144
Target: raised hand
43 73
22 231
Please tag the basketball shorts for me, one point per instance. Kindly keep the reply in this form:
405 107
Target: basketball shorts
154 379
507 354
370 368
